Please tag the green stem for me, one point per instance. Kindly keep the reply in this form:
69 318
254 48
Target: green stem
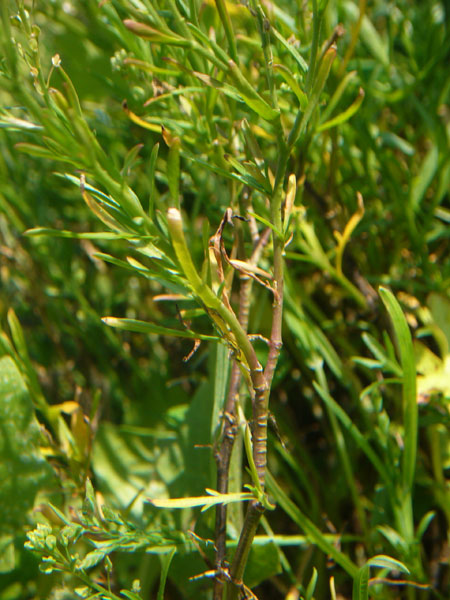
317 22
241 342
226 22
252 518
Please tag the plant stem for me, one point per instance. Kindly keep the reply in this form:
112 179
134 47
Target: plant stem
252 518
223 456
317 22
236 337
226 22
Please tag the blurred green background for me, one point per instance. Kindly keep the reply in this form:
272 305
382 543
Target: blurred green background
149 413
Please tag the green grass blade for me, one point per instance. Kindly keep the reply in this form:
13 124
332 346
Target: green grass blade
410 410
314 534
354 432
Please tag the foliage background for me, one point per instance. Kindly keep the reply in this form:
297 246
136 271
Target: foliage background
150 413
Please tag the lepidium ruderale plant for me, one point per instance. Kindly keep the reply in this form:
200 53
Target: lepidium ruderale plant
223 104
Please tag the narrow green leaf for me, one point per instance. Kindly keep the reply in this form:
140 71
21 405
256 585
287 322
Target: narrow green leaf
314 534
249 452
361 581
228 27
220 56
204 501
421 182
173 171
361 584
154 35
386 562
249 171
292 83
345 115
249 95
267 223
369 35
410 409
220 375
40 151
165 560
130 158
392 140
13 124
311 585
145 327
291 49
337 95
89 235
354 432
302 119
151 175
253 148
126 594
245 179
423 524
61 516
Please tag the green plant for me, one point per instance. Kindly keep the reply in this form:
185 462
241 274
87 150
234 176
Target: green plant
236 151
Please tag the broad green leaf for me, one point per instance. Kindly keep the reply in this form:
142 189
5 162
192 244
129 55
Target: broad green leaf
410 409
263 562
23 471
7 554
125 469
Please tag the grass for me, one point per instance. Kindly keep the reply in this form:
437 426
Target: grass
225 267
